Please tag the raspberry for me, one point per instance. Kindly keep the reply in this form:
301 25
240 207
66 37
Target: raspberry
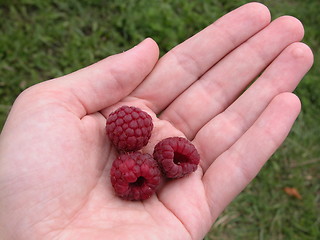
176 156
129 128
135 176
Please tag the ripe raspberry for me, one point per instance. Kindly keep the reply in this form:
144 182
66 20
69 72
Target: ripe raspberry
129 128
176 156
135 176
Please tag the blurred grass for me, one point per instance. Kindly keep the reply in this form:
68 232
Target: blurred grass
41 40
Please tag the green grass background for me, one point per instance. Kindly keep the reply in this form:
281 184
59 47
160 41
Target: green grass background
41 40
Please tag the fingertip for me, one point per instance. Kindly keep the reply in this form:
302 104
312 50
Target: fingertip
302 52
293 25
148 45
144 55
260 10
289 101
152 43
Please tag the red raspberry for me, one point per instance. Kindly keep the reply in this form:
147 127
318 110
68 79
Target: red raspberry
135 176
176 156
129 128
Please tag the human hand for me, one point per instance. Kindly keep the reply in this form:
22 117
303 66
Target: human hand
56 158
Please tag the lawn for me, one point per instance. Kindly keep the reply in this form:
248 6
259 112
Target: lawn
41 40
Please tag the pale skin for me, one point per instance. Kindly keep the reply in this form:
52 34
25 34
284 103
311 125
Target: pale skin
55 157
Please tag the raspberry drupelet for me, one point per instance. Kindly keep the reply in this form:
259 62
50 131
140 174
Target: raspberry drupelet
176 157
129 128
135 176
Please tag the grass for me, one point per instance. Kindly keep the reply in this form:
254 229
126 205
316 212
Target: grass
46 39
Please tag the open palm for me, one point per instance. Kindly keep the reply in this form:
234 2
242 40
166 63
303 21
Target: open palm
55 156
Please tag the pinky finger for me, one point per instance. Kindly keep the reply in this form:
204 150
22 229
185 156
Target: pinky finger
232 171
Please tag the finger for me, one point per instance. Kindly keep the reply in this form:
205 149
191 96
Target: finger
222 84
283 75
184 64
106 82
236 167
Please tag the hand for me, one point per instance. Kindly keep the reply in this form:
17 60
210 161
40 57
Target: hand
56 158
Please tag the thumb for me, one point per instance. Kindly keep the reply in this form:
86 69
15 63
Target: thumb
104 83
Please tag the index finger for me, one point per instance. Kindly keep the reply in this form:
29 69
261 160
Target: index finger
185 63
